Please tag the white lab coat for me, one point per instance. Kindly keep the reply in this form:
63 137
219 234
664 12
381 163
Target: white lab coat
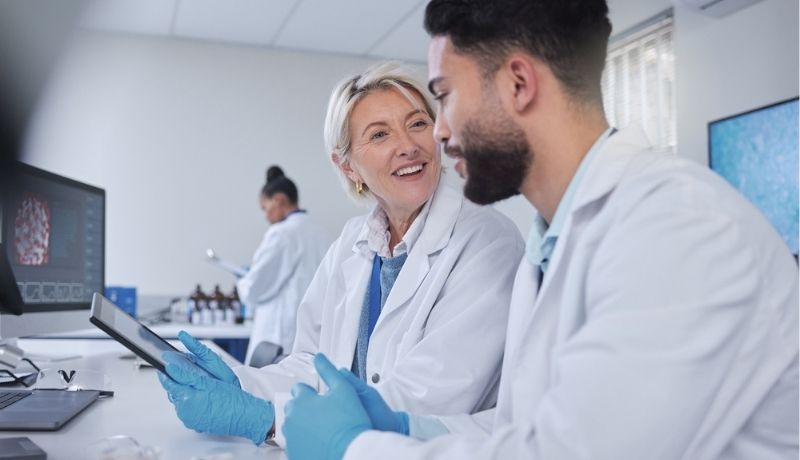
283 267
666 328
437 346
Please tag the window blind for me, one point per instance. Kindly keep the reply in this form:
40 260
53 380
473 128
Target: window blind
639 81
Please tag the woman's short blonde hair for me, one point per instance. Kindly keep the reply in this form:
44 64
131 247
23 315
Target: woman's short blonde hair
347 93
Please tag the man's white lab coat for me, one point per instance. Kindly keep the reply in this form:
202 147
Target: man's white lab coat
666 327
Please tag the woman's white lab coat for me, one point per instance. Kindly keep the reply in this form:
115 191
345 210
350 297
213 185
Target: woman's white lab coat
438 344
666 327
283 267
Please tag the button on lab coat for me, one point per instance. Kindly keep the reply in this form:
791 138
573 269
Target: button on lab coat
438 343
666 327
283 267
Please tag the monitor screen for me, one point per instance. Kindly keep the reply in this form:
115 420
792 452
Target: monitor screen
757 152
53 238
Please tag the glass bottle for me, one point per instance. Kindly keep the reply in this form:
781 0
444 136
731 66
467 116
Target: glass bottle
206 317
194 306
236 306
216 301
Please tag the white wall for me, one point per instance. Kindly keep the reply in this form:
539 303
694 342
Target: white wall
625 14
723 65
179 133
730 65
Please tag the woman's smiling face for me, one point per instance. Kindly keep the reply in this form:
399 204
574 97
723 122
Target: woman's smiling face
393 150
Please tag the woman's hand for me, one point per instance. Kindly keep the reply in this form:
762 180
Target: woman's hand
207 359
209 405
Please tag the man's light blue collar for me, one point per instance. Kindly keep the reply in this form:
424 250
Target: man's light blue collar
542 237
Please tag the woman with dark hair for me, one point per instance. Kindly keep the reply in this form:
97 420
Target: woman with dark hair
283 265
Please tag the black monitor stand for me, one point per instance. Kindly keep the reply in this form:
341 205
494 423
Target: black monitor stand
10 298
10 303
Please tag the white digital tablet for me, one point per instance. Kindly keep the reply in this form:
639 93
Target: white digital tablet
134 335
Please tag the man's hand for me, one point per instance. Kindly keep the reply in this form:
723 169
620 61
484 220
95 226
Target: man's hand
323 426
382 416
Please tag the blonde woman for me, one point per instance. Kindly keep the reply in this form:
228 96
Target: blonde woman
413 296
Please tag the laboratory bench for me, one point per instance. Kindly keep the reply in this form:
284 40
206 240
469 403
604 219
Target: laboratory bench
138 409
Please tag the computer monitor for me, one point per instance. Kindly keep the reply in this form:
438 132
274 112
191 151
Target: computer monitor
52 237
757 152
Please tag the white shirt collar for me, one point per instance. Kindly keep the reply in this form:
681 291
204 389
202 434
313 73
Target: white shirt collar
542 237
377 235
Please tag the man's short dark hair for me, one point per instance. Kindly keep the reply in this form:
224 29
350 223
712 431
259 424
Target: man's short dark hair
570 36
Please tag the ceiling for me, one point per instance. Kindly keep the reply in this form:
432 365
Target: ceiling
374 28
367 28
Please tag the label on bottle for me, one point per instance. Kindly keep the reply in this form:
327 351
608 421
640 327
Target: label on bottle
190 311
205 317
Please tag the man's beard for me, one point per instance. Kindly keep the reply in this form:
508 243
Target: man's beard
497 157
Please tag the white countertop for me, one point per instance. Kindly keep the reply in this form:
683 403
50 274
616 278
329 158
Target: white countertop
139 409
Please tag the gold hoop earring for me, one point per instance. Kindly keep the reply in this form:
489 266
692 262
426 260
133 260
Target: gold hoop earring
360 188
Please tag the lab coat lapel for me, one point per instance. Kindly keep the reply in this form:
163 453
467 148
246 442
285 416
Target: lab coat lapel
605 172
529 347
609 165
356 270
534 336
601 177
535 309
434 237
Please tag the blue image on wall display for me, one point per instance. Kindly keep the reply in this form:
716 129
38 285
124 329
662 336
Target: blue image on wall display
757 152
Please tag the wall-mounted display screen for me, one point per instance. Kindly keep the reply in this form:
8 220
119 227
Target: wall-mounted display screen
757 152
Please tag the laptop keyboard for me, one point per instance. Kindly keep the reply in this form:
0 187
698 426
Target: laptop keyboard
8 398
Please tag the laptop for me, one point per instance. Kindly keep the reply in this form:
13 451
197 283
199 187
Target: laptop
42 410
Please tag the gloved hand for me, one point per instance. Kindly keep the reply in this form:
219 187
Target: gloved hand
382 416
323 426
207 359
208 405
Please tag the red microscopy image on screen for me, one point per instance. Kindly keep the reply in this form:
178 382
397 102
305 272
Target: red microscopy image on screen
32 231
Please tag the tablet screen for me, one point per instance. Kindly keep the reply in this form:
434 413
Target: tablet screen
129 332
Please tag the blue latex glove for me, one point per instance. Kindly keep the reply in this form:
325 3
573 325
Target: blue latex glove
207 359
323 426
382 416
208 405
